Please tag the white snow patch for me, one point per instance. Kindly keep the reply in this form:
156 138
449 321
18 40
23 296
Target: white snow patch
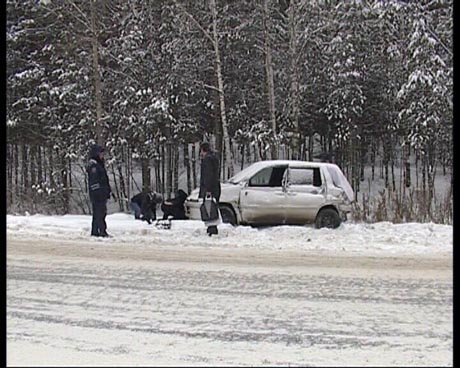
382 238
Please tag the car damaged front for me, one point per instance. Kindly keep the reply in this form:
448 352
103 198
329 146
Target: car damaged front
229 196
339 192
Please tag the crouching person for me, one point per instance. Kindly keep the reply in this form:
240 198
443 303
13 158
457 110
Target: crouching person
175 206
144 205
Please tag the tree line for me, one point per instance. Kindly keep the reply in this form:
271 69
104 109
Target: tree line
360 83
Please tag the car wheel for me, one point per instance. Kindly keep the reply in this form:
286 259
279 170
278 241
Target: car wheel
329 218
228 216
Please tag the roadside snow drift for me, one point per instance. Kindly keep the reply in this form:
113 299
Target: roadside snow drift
367 239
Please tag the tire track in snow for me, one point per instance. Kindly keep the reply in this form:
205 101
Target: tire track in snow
303 310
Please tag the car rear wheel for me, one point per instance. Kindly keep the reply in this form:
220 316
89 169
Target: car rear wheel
228 216
328 218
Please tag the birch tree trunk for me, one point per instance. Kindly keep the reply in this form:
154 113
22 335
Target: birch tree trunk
16 172
33 167
270 77
175 163
122 196
163 176
187 167
194 181
220 82
294 91
9 175
128 161
157 175
168 169
24 173
65 186
96 73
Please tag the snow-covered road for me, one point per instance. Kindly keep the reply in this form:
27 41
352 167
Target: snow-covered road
86 301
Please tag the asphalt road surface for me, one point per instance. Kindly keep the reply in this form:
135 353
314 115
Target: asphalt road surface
75 303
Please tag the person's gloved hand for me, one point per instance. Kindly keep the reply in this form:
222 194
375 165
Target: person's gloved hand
147 219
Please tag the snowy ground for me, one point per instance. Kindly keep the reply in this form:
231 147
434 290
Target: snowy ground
382 238
377 294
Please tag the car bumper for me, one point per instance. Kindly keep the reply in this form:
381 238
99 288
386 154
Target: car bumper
345 212
192 210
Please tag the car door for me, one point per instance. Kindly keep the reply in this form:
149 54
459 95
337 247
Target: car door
305 194
263 199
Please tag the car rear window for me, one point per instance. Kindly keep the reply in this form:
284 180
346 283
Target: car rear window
305 176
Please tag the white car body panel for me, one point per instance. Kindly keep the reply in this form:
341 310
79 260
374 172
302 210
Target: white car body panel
286 204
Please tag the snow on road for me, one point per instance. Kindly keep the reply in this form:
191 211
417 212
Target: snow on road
377 294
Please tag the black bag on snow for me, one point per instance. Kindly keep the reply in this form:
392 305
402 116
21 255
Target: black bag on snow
209 210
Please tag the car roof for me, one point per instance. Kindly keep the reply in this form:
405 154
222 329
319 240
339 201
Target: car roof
257 166
291 163
334 170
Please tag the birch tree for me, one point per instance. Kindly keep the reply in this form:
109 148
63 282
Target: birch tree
220 84
269 75
213 38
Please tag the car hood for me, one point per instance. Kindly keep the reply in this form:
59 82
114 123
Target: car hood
229 193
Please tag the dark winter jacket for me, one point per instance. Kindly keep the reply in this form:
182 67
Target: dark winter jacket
175 206
147 201
98 181
209 179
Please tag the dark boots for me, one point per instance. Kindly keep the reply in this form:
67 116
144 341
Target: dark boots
212 230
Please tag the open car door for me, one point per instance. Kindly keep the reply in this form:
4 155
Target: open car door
263 199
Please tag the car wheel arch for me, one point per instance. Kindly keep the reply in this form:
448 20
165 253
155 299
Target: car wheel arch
331 206
232 209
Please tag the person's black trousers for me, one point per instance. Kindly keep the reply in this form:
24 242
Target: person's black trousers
212 230
98 225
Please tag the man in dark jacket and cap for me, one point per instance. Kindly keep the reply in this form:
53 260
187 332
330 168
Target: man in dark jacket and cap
209 178
99 190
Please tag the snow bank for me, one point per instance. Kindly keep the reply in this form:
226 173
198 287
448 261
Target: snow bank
367 239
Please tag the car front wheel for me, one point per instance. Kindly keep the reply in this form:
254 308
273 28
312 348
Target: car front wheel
328 218
228 216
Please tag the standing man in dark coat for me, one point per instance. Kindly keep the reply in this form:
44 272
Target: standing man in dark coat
99 190
209 178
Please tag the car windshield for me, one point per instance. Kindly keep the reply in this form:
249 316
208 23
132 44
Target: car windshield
245 174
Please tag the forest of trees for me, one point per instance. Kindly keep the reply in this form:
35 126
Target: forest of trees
362 83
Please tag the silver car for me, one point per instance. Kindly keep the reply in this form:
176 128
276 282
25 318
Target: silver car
282 192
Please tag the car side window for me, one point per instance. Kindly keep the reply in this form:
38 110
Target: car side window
268 177
307 176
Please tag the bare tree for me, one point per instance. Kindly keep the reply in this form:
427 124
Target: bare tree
214 39
220 83
294 91
269 73
96 71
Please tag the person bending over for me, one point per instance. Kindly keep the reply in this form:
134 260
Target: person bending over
175 206
144 205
